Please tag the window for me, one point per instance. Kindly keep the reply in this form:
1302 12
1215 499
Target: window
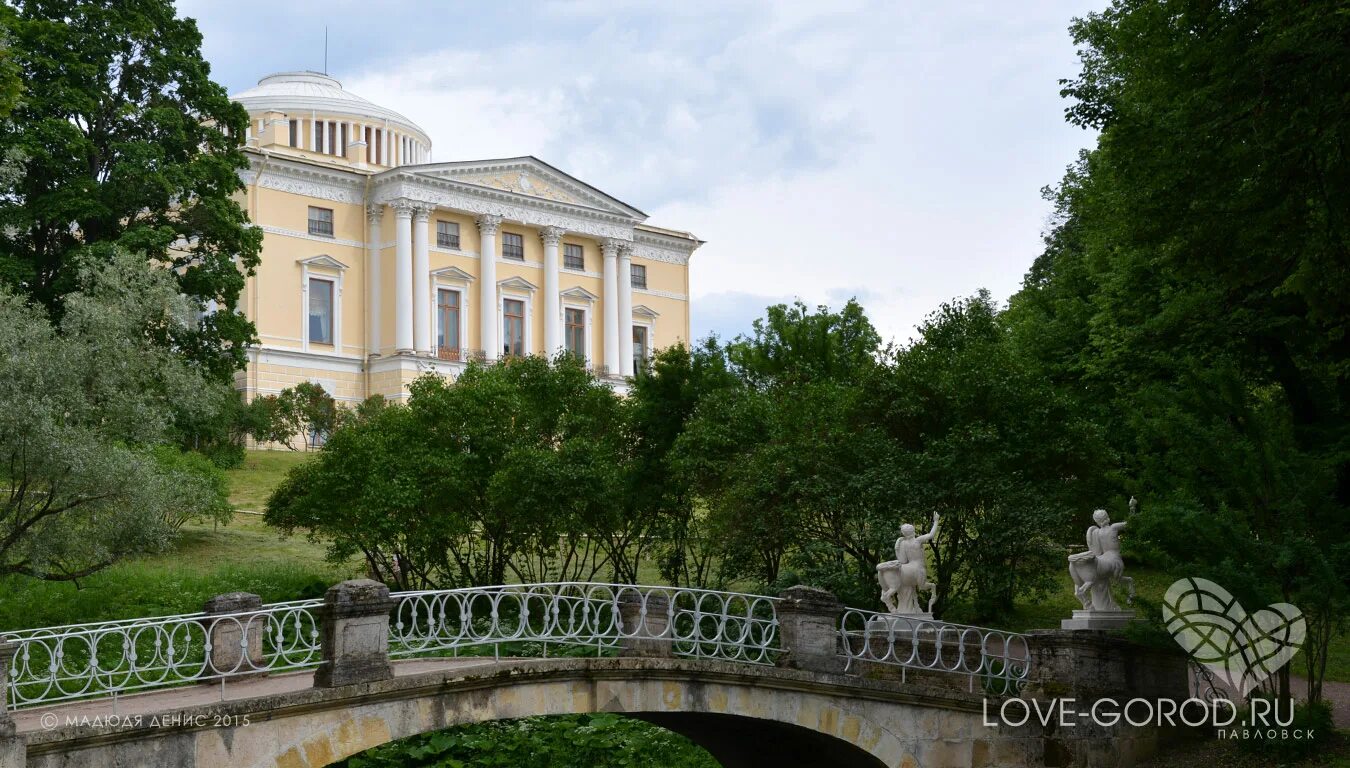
513 328
295 133
342 146
639 275
447 324
574 257
320 311
513 246
574 332
321 221
447 234
639 347
318 136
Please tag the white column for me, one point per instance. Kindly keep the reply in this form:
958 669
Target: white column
487 298
421 281
374 307
403 276
625 310
553 340
610 249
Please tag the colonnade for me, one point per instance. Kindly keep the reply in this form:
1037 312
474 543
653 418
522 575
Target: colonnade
414 332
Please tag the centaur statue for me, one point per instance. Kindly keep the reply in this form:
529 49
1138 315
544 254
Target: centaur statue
1094 571
902 578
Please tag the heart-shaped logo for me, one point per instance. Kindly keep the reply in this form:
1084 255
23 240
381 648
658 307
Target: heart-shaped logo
1243 649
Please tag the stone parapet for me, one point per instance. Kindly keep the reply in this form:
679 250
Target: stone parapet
355 634
646 624
235 635
808 629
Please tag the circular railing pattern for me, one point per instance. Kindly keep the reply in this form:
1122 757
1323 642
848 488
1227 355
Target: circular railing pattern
699 623
99 659
1000 660
110 658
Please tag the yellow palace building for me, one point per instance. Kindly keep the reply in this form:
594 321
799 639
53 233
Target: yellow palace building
379 265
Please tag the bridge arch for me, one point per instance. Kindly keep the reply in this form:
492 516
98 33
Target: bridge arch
746 717
743 719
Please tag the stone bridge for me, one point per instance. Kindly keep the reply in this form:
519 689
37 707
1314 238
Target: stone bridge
790 681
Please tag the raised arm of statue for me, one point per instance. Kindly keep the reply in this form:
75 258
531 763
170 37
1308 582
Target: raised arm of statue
932 532
1118 526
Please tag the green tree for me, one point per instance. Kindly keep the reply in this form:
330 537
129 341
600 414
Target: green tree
982 438
661 403
1193 294
82 408
306 410
505 471
124 139
782 461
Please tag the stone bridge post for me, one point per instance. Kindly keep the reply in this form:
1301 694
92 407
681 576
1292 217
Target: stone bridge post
1088 666
237 641
808 630
646 624
355 634
13 754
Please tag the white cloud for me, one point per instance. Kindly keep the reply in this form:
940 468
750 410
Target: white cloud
891 149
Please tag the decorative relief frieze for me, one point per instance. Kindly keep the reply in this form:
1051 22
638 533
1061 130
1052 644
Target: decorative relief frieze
520 182
657 253
283 180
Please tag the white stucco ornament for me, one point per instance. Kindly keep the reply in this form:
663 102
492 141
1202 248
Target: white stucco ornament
1095 571
904 577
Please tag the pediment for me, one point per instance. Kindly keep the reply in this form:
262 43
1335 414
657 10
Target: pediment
453 273
577 293
323 260
642 310
516 284
530 177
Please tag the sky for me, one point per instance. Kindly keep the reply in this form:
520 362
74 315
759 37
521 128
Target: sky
893 151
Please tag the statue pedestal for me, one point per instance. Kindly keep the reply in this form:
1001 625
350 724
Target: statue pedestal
1098 620
902 622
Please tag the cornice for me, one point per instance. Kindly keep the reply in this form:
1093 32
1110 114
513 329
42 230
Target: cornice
571 186
304 179
656 247
479 200
596 198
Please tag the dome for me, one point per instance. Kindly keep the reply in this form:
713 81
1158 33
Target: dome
300 93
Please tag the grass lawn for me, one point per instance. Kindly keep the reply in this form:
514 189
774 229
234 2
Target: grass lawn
205 561
252 481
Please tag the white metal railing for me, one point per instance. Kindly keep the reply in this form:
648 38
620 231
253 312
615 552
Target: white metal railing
700 623
1000 660
111 658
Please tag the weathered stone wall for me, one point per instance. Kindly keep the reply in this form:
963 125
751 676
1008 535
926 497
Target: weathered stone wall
915 728
1089 666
